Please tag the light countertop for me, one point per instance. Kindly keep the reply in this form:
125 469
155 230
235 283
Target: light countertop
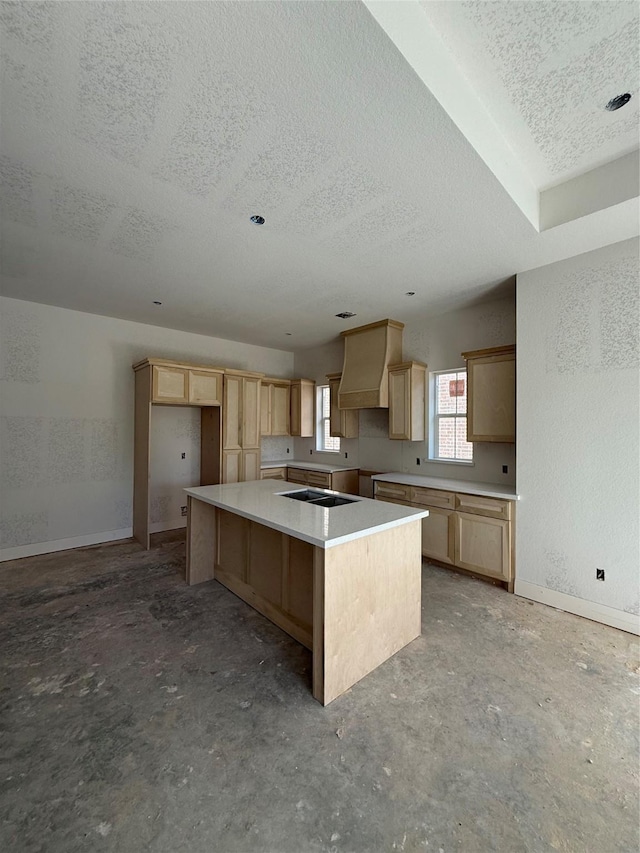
487 490
309 466
261 502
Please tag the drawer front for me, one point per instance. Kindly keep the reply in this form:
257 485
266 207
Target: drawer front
319 478
297 475
274 474
205 388
394 491
433 497
393 501
170 385
478 505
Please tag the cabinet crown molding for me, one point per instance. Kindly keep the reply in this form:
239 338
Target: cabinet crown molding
482 353
170 362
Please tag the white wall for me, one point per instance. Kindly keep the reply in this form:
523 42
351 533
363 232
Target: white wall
578 433
66 425
439 342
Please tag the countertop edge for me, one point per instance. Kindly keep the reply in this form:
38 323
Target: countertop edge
309 466
487 490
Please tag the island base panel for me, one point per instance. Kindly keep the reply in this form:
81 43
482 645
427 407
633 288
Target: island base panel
367 606
201 541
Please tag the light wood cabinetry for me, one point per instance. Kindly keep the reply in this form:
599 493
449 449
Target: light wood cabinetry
241 427
339 481
491 397
343 423
302 407
173 383
275 407
273 474
470 532
368 351
407 401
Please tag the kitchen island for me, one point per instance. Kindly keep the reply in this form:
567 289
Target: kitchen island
344 580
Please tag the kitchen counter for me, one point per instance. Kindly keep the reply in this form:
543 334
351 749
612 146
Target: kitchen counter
310 466
487 490
262 502
343 581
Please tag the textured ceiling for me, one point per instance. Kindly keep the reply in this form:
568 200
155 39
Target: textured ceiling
138 138
545 70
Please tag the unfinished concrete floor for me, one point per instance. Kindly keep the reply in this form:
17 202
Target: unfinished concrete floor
139 714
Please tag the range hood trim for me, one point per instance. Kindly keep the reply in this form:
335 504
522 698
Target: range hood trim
368 352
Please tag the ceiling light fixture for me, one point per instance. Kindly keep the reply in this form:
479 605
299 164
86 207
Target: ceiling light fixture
410 293
618 101
288 333
344 315
257 220
156 303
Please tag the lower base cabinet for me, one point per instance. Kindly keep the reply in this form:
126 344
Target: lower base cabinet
466 531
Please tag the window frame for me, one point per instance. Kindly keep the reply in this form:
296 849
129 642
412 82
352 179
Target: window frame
435 418
321 420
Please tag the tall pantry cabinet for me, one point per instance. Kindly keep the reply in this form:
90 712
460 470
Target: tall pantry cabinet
241 426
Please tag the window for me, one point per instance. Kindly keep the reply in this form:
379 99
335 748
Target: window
324 440
449 422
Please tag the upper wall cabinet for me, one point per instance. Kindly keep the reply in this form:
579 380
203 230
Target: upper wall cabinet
182 384
343 423
491 395
275 406
407 401
368 351
302 407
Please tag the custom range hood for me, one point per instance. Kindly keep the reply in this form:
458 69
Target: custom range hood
368 352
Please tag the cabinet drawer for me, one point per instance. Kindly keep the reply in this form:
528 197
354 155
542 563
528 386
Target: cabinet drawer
478 505
170 385
273 474
393 491
319 478
392 501
297 475
433 497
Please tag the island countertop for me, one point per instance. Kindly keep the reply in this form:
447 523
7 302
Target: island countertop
261 501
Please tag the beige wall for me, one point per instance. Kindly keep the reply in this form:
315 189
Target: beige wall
438 341
66 425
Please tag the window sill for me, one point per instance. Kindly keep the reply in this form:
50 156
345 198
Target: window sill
453 462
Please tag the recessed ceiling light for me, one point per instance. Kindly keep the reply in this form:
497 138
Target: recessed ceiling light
618 101
344 315
156 303
257 220
288 333
410 293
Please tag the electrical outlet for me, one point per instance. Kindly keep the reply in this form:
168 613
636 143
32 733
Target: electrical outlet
505 469
346 455
417 460
311 453
287 449
183 510
599 574
184 455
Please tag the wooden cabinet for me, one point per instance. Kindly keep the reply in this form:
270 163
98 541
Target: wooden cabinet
275 407
302 407
241 427
470 532
491 397
340 481
344 423
407 401
368 351
273 474
205 388
178 385
170 385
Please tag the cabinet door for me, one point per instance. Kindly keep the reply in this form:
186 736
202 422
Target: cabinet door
399 405
295 409
302 394
205 389
343 423
250 412
170 385
492 399
251 464
232 466
265 409
438 535
280 407
232 413
483 545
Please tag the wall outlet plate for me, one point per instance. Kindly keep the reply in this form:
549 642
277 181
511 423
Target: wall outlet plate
183 510
599 574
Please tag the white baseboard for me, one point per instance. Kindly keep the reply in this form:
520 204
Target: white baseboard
579 606
21 551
